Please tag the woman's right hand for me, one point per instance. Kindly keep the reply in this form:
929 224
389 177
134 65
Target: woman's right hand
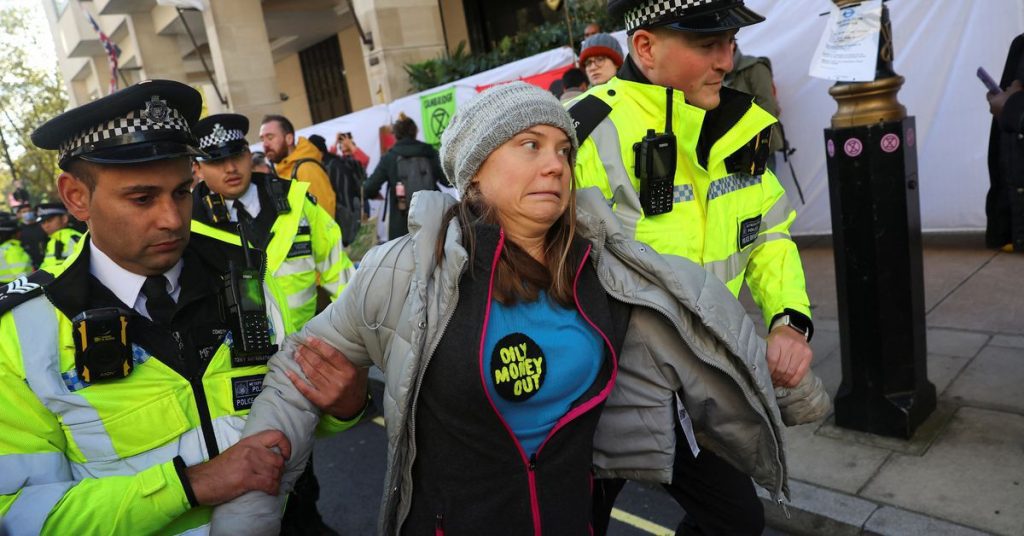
332 382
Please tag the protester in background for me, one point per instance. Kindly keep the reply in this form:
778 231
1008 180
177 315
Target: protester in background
410 166
33 238
14 260
601 58
53 219
260 164
509 385
1004 204
347 176
1007 107
592 29
347 145
575 83
293 159
557 88
753 75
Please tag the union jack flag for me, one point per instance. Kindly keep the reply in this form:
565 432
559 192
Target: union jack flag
113 52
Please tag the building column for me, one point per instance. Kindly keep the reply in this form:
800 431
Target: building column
404 31
162 55
242 59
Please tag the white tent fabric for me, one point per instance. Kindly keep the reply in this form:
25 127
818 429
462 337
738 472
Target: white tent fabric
939 44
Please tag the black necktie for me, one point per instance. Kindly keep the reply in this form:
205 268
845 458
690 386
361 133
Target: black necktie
243 215
158 301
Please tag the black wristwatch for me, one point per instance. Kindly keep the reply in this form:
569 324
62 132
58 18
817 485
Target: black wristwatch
796 320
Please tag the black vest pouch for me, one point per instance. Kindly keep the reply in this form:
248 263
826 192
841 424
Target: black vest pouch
102 347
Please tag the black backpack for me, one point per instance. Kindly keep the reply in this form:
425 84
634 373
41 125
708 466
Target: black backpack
416 173
348 203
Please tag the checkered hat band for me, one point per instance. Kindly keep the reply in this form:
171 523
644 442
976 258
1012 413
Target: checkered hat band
47 212
220 137
653 10
125 125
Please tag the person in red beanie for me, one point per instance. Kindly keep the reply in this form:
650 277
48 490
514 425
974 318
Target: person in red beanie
601 58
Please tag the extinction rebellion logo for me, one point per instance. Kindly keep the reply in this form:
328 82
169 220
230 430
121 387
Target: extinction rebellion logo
518 367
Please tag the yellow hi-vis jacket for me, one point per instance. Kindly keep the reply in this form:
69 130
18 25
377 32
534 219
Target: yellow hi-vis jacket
14 261
59 247
728 215
304 251
79 458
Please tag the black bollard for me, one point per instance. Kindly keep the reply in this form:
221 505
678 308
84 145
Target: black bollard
876 233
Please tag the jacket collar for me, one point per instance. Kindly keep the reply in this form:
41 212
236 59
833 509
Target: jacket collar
715 124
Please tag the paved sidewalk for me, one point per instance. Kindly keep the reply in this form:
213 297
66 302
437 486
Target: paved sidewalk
963 472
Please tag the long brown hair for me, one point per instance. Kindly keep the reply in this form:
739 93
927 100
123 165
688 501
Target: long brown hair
518 276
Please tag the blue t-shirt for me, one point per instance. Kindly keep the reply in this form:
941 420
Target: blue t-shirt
538 358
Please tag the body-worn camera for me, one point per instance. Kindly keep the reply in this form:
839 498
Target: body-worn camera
655 168
102 350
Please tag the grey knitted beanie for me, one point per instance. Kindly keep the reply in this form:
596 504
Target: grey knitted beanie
491 119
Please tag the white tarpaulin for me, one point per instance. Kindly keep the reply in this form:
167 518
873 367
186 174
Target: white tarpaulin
939 44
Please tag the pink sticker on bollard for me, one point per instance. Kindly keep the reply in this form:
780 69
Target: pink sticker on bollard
911 137
890 143
831 147
853 147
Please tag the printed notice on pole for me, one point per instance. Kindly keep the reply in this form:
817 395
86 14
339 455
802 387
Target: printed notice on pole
848 51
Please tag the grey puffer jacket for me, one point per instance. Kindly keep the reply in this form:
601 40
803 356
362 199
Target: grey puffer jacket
687 334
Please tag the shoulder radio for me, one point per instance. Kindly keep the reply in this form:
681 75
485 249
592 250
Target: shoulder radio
655 166
215 208
245 309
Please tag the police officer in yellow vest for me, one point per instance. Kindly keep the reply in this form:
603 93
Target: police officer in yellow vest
303 243
682 161
126 374
14 260
53 218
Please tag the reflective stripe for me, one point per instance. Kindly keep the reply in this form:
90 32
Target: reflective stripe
190 446
30 510
682 192
778 214
19 471
627 202
733 266
301 298
36 322
228 430
731 183
303 265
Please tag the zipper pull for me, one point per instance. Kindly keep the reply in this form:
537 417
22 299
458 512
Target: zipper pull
533 461
784 509
439 525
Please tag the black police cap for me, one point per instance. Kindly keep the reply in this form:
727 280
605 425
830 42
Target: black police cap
222 135
151 120
47 210
699 16
8 222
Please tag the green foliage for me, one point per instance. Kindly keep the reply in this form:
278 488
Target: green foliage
30 94
460 64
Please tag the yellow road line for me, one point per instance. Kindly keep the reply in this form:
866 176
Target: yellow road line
641 523
618 515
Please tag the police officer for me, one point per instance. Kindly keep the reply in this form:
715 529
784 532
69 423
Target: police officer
682 159
126 374
303 243
53 219
14 260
